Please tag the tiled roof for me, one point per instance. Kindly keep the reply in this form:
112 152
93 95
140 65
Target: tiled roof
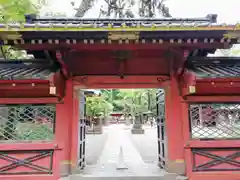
24 73
99 26
152 24
90 31
219 71
217 67
30 18
25 69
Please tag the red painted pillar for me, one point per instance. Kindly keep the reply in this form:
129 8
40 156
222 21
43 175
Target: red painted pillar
75 129
63 127
175 147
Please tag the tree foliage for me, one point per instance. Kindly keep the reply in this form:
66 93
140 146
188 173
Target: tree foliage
137 101
97 106
13 11
127 101
124 8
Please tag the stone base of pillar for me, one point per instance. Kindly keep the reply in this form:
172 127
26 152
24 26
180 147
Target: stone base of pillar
137 129
65 168
177 167
76 170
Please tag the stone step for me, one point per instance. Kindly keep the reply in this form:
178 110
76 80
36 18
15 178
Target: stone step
148 172
125 177
167 176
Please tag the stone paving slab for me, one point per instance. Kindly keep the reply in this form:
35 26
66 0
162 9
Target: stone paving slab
117 137
146 144
136 148
95 144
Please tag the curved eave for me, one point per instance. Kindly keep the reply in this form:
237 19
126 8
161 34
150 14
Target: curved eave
65 26
128 35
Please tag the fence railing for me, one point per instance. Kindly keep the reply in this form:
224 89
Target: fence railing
27 123
215 121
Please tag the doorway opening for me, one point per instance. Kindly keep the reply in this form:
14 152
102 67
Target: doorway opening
123 131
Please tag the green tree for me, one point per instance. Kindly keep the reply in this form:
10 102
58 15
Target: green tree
97 106
13 11
113 96
135 101
124 8
127 101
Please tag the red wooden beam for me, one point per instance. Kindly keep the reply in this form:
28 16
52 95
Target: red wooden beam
211 98
54 86
28 84
213 144
24 81
214 86
220 80
29 177
208 86
103 64
117 82
34 93
229 175
99 46
47 100
24 88
16 86
22 146
120 86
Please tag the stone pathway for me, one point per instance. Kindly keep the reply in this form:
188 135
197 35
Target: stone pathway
118 136
146 144
94 147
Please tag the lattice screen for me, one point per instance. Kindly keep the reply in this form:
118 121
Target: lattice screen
215 121
27 122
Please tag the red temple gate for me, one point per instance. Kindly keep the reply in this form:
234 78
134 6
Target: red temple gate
42 115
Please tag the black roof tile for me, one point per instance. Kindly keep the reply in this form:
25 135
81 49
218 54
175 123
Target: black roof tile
215 67
30 18
24 73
